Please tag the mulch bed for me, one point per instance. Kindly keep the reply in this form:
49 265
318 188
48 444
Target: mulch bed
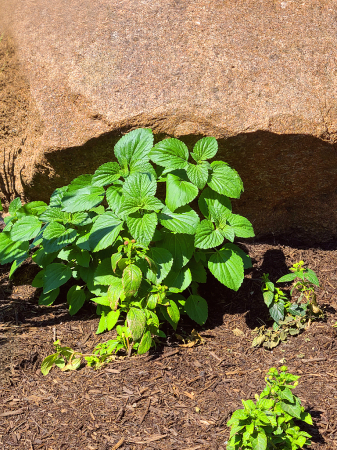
174 397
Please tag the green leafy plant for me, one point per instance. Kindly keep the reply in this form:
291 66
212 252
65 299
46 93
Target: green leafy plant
133 252
305 281
270 422
290 317
275 299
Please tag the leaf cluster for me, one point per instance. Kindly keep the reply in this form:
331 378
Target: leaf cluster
129 250
270 421
290 317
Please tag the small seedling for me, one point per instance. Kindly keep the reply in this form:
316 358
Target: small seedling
290 317
305 281
269 423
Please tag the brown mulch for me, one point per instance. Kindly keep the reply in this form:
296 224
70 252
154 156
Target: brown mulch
175 397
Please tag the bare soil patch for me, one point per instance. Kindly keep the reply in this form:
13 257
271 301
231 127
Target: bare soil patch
175 397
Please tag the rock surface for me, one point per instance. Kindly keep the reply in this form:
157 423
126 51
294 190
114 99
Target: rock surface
258 75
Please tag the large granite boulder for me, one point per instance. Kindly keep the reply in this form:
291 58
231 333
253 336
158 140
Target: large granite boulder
260 76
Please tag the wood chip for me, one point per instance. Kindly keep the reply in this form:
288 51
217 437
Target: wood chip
153 439
192 448
167 355
313 360
119 443
13 413
112 371
146 411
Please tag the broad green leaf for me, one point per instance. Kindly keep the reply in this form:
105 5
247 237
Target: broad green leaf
139 191
198 174
105 231
225 180
38 279
80 182
17 263
25 229
153 300
101 300
49 298
170 153
249 405
140 186
247 262
311 276
141 166
82 257
227 266
301 441
14 206
114 293
239 414
198 271
241 226
214 206
163 260
207 236
82 199
268 297
9 250
294 410
197 309
56 197
136 320
183 220
180 246
173 312
287 278
55 275
56 236
178 281
132 277
276 311
259 442
48 363
104 275
227 232
112 318
115 258
286 394
205 148
53 215
142 226
145 343
134 146
179 192
114 197
75 299
106 174
32 208
306 417
102 325
80 219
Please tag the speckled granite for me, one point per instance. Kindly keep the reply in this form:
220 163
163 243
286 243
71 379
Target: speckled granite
261 76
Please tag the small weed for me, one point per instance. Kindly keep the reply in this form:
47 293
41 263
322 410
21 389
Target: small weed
269 423
290 317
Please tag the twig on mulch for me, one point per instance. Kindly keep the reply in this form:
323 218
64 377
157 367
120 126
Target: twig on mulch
146 411
153 439
119 443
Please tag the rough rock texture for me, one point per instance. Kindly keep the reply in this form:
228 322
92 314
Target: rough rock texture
259 75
